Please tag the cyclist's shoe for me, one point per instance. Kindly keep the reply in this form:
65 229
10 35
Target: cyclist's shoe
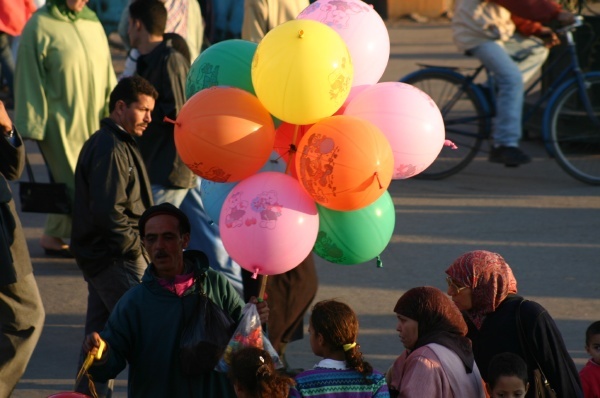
510 156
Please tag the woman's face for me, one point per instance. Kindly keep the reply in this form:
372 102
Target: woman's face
408 330
76 5
461 295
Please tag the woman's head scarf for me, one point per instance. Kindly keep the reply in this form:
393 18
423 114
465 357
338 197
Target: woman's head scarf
439 321
59 9
490 279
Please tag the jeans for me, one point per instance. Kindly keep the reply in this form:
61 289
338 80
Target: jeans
510 77
206 238
104 291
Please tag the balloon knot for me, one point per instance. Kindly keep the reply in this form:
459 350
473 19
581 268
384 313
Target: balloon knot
300 33
378 180
293 148
255 274
450 144
166 119
379 262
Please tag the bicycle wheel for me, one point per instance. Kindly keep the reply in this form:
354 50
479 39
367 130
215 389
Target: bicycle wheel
464 115
574 135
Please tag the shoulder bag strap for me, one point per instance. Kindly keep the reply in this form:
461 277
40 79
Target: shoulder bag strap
30 169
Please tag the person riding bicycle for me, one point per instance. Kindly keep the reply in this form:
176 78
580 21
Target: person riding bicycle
508 37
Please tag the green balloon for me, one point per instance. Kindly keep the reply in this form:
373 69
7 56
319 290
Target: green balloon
353 237
226 63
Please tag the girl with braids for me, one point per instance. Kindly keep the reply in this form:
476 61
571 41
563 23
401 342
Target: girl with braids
343 372
438 360
253 375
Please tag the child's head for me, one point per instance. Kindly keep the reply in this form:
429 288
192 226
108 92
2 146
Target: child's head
333 330
592 341
507 376
253 375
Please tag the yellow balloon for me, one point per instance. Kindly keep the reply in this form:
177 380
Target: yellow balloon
302 71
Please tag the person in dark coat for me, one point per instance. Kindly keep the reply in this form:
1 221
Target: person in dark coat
21 310
112 191
483 287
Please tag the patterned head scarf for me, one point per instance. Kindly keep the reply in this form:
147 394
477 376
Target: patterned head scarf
439 321
490 279
60 9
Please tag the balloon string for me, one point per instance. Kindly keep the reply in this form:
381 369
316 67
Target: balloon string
263 288
292 150
378 180
255 274
166 119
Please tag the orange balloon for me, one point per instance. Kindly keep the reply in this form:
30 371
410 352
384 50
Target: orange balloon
344 163
286 144
224 134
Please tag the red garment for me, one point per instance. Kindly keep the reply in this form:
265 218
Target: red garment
590 380
526 27
490 279
14 14
542 11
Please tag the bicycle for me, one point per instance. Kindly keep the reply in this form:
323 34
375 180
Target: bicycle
571 119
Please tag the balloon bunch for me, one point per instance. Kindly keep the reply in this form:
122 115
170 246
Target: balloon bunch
308 91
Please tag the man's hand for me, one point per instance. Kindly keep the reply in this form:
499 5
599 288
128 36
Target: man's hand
548 36
6 125
92 343
263 309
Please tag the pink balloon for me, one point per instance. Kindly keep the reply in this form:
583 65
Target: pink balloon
268 223
409 119
363 31
354 91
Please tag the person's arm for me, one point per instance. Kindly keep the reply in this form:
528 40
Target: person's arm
254 26
12 150
421 377
31 108
109 173
528 27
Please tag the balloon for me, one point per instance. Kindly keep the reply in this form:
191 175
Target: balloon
224 134
226 63
285 143
268 223
213 194
409 119
344 163
353 237
302 71
363 31
353 93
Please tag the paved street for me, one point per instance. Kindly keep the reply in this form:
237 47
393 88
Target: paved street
543 222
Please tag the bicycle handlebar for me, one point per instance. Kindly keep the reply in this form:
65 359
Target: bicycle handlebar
569 28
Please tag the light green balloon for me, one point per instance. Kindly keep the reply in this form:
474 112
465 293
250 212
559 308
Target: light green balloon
226 63
353 237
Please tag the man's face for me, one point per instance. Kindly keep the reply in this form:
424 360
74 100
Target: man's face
135 117
165 245
76 5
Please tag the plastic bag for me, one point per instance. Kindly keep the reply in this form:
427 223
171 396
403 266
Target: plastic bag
205 337
249 333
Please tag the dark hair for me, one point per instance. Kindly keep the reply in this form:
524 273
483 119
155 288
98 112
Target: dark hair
253 369
151 13
129 90
338 325
164 208
506 364
593 329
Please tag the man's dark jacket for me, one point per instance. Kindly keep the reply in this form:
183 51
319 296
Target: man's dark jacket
112 191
